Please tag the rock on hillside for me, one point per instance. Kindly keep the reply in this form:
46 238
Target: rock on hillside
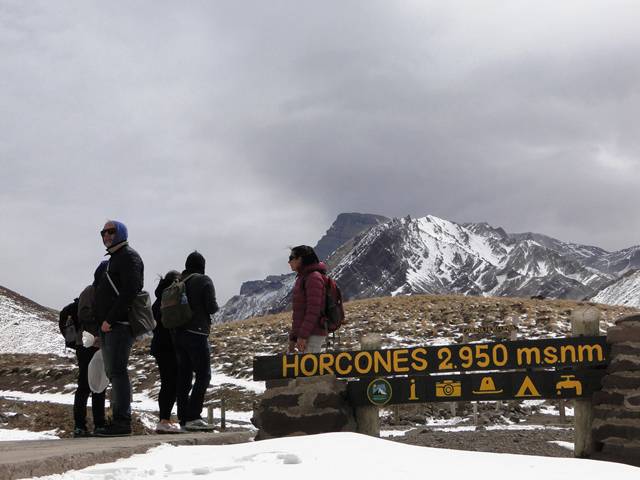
26 327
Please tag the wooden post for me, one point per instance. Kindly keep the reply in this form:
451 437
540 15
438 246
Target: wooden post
475 413
368 416
584 321
210 414
563 413
223 415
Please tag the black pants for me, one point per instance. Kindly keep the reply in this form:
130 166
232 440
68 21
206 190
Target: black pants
168 366
84 356
193 355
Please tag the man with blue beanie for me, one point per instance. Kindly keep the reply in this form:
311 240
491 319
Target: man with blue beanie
116 289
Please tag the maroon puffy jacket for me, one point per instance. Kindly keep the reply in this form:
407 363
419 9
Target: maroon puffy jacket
308 302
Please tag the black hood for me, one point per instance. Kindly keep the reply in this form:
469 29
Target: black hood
195 263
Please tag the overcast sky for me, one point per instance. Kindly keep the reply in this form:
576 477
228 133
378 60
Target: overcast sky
240 128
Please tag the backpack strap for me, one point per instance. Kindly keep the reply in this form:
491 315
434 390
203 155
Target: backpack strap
111 282
184 280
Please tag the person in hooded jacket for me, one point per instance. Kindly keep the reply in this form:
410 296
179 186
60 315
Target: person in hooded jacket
307 333
83 356
165 355
115 292
192 344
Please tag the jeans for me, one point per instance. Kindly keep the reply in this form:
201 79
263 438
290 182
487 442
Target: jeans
194 357
168 366
84 356
116 347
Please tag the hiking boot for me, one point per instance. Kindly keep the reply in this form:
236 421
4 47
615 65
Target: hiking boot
198 425
162 427
113 430
80 432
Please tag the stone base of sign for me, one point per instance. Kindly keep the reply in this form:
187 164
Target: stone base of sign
616 424
303 406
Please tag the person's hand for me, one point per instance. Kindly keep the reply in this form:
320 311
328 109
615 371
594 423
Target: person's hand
292 346
301 345
105 327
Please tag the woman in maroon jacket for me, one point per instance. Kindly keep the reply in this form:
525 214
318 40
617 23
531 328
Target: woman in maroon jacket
307 330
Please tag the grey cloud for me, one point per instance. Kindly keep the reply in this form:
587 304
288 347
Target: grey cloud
239 128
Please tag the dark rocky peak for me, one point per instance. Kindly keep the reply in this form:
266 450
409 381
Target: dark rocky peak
344 228
486 230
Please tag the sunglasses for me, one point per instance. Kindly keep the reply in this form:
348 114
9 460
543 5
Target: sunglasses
107 231
291 257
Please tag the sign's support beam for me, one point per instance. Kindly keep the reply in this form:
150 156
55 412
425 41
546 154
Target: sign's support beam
584 322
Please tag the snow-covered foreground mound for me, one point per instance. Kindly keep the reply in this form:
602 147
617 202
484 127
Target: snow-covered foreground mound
342 455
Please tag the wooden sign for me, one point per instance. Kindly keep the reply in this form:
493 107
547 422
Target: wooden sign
476 387
507 355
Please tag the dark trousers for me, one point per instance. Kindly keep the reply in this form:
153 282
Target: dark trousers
168 366
116 347
194 357
84 356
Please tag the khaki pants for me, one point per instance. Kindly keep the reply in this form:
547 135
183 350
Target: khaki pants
314 343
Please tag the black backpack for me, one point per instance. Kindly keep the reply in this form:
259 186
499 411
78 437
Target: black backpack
86 317
69 327
333 312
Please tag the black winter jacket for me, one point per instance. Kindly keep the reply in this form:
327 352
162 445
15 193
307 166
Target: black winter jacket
127 273
202 300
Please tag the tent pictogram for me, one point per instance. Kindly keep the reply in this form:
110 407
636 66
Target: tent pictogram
527 389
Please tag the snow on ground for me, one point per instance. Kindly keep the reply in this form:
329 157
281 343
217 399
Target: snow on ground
218 378
341 455
567 445
140 403
10 435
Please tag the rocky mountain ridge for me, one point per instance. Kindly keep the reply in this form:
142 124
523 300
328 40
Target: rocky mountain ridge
431 255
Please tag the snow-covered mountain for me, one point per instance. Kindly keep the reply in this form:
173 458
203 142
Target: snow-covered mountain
26 327
432 255
273 294
625 291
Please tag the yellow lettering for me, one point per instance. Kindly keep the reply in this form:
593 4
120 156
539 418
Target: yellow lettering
368 362
419 363
550 355
563 353
412 391
309 372
530 353
326 362
399 357
590 349
348 368
287 365
380 362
